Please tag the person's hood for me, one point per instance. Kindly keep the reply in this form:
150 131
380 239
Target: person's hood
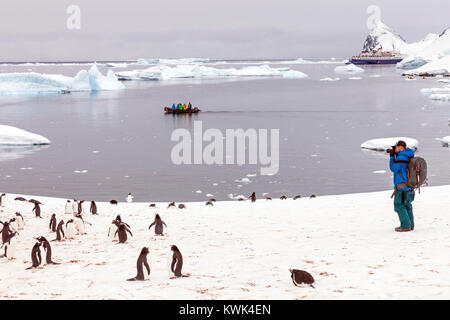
405 154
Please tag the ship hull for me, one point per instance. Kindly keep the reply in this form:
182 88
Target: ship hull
375 61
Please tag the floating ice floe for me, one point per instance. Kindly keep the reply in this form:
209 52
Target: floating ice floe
244 180
349 68
164 72
355 78
445 141
442 94
231 196
379 171
383 144
330 79
12 136
37 83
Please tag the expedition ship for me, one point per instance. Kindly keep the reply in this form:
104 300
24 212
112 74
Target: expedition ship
376 57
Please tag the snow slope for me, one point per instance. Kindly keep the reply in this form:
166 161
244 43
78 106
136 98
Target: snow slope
243 250
11 136
385 38
164 72
37 83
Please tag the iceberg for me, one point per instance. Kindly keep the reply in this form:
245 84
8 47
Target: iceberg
39 83
350 68
439 66
386 143
445 141
12 136
164 72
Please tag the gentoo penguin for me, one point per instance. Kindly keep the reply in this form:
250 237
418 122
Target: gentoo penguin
253 197
268 198
52 225
70 229
93 208
2 204
113 202
141 262
283 197
297 197
177 262
79 224
20 221
181 206
172 204
112 230
74 206
69 208
152 205
209 203
36 258
14 227
312 196
212 200
122 232
20 199
301 276
48 250
159 225
6 231
10 246
60 231
129 198
80 207
37 210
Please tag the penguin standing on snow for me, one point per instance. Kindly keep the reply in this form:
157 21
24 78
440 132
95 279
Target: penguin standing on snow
68 209
60 231
6 231
122 232
177 262
70 229
20 221
37 210
141 262
159 225
253 197
79 224
300 276
74 206
52 225
36 257
112 230
14 227
48 250
129 198
10 246
93 208
1 199
80 207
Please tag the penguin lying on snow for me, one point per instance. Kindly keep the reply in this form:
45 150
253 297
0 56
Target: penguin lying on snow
300 276
297 197
172 204
141 262
113 202
159 225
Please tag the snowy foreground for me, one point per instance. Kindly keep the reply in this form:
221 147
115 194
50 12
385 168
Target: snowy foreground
243 250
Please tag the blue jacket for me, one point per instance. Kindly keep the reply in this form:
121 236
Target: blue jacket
400 169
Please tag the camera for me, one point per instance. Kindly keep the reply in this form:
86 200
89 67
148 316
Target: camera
391 151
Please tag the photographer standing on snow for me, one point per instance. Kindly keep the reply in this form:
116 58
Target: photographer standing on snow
403 194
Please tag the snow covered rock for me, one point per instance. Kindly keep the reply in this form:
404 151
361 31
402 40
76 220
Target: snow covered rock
11 136
349 68
439 66
445 141
386 143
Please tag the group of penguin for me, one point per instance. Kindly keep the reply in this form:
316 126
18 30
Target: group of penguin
117 232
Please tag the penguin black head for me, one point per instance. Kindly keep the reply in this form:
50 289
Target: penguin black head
3 194
68 200
144 250
41 239
174 248
157 216
118 218
53 215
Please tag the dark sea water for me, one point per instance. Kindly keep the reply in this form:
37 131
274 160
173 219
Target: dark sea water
122 138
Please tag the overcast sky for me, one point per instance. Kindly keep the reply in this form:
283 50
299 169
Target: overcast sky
36 30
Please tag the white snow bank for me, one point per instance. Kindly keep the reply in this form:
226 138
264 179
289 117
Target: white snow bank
242 250
11 136
330 79
163 72
36 83
440 66
383 144
349 68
